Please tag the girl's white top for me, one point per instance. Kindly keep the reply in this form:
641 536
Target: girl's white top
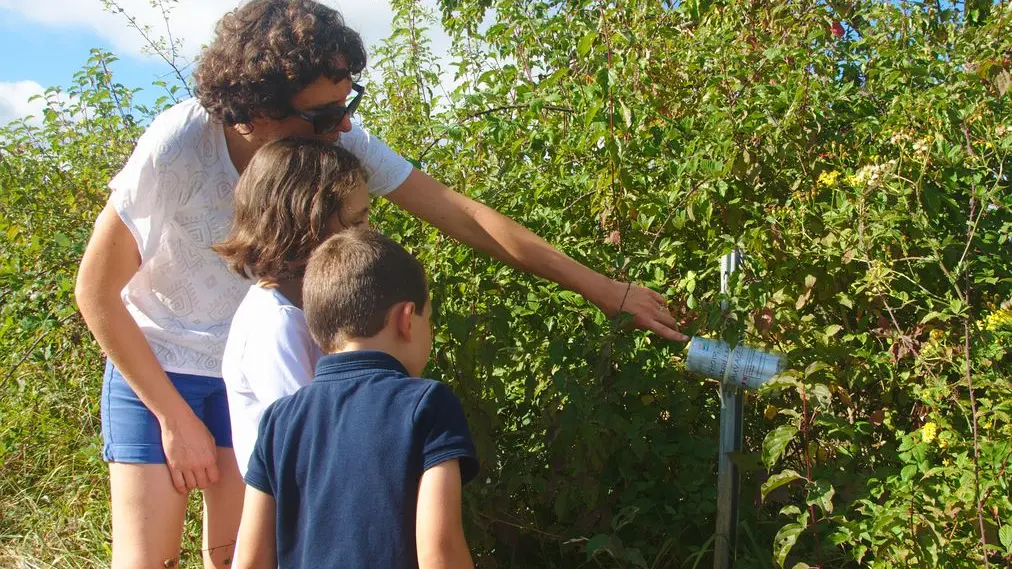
270 354
175 196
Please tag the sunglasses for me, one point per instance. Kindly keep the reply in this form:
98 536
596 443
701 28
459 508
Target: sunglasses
326 120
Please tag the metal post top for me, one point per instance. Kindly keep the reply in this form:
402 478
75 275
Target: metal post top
728 264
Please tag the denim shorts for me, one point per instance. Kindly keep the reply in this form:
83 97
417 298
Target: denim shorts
131 432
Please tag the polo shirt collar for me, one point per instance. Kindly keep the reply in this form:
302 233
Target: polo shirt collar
344 362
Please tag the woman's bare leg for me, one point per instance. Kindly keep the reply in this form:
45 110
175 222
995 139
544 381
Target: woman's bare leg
222 512
147 516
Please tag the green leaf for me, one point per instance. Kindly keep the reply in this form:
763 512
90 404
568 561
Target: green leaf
821 494
586 42
782 380
785 540
777 480
624 517
815 367
634 556
1005 536
833 330
775 443
597 543
821 394
790 510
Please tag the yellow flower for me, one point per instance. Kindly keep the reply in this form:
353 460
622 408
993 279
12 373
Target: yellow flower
828 179
998 319
928 431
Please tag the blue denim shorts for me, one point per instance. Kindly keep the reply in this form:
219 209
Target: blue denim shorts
131 432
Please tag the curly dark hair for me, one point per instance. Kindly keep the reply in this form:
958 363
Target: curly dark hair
283 203
266 51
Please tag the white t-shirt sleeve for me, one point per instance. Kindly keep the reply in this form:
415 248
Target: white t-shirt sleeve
147 192
387 170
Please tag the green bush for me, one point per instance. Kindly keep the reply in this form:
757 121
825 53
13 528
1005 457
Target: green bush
858 154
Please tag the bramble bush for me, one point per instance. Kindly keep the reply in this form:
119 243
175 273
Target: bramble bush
856 152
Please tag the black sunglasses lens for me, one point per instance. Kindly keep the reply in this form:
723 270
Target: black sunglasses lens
327 123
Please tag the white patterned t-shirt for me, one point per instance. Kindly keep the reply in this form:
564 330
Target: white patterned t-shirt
175 196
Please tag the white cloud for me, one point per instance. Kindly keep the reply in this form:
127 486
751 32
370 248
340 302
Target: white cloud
192 21
14 102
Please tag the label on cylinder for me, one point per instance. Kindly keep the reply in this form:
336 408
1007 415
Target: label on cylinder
743 366
708 357
750 368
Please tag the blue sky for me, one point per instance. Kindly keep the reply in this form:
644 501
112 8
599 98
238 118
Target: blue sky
49 55
44 42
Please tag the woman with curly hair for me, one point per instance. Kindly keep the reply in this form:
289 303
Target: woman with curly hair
159 300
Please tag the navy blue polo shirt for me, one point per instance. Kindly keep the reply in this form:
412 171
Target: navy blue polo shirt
343 457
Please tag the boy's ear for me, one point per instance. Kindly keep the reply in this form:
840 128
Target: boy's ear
402 314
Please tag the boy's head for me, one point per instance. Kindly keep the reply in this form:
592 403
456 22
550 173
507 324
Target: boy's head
269 55
364 291
292 196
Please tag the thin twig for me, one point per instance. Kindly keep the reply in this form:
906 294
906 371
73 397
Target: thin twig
520 106
680 205
28 353
112 91
483 113
973 403
172 46
521 527
153 44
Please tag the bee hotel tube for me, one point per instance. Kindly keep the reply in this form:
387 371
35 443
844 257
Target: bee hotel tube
740 366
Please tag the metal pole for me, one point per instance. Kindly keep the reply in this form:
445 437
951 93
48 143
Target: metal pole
728 478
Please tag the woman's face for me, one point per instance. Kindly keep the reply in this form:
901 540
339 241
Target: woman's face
321 94
354 211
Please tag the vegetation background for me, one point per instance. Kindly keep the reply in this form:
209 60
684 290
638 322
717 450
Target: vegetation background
858 152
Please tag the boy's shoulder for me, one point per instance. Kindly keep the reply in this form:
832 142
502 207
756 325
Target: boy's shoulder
385 407
372 392
368 386
368 382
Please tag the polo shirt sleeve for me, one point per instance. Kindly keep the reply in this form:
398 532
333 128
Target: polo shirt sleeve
442 426
386 169
261 461
148 191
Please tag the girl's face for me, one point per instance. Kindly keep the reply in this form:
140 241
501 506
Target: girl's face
354 211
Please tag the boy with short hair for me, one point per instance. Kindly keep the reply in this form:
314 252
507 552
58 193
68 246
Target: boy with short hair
364 466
